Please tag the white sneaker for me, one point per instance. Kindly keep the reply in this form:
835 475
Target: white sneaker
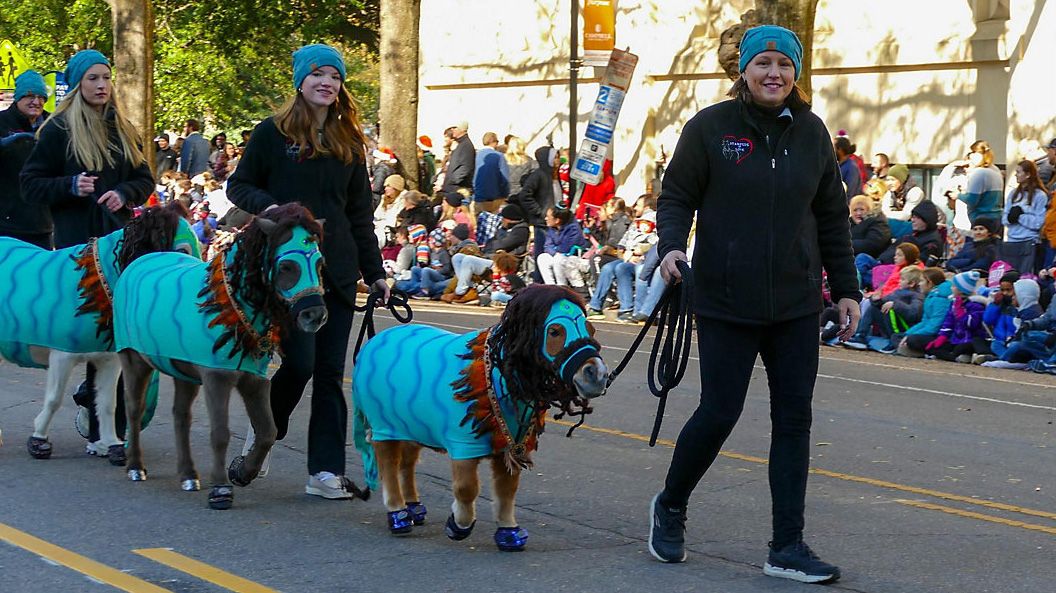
250 439
327 485
1004 364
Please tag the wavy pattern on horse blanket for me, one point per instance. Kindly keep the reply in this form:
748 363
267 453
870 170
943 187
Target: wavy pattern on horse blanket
403 390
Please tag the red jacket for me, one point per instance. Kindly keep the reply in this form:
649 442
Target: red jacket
597 195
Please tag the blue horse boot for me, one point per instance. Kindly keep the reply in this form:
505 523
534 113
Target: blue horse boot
400 522
417 511
453 531
511 539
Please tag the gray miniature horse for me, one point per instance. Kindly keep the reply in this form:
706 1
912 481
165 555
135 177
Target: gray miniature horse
222 339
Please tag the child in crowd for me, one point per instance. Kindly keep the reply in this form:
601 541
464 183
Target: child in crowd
894 313
1016 302
504 279
452 208
430 277
1034 343
937 292
962 332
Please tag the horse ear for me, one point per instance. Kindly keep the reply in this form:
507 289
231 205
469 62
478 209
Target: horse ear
321 221
267 226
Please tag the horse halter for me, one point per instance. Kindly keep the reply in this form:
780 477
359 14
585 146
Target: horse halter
573 356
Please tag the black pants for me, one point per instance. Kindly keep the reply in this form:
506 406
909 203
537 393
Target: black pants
42 240
321 358
950 352
919 341
727 354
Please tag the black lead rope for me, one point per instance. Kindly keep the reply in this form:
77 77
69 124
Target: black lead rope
397 298
670 353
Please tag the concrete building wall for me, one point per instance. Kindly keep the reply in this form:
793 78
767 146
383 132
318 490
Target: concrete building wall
918 80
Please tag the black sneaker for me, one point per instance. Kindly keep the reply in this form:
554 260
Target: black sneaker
667 532
799 563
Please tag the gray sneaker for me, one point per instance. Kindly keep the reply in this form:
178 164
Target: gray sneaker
327 485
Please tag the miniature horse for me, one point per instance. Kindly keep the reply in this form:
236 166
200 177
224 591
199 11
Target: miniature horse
56 311
478 395
216 325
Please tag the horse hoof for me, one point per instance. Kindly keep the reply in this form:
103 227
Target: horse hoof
137 475
117 455
453 531
38 448
191 485
235 471
417 511
97 449
511 539
400 522
221 497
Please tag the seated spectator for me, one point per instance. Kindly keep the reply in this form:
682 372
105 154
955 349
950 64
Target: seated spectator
513 233
981 250
903 196
649 286
636 242
417 209
389 208
962 333
870 233
564 238
453 208
937 292
488 224
505 282
469 265
1024 215
925 235
893 313
906 255
1014 303
429 280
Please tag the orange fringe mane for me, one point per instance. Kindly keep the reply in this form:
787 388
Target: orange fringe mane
474 386
95 294
244 340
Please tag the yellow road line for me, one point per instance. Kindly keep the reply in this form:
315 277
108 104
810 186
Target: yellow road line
981 517
837 475
74 561
203 571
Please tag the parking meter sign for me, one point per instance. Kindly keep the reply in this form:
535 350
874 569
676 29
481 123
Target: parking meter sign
589 160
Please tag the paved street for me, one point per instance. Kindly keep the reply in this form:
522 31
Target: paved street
928 477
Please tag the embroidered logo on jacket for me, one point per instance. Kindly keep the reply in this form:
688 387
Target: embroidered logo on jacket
736 149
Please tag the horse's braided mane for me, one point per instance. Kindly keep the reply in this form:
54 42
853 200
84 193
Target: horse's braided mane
251 272
516 349
152 231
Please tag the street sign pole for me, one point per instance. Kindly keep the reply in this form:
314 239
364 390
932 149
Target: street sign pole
574 64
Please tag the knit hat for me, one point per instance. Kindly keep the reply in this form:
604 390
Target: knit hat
771 38
966 282
395 182
1051 144
421 253
512 212
384 153
425 142
453 198
899 172
448 225
312 57
1027 292
461 231
416 233
79 64
990 224
30 83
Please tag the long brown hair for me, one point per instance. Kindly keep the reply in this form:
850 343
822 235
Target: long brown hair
342 136
1032 184
797 99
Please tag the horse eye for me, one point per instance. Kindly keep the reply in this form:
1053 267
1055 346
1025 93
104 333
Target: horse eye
184 249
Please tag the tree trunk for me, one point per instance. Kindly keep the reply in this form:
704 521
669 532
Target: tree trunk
133 24
398 109
796 15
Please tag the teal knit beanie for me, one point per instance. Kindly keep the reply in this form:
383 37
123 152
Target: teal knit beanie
771 38
313 57
79 64
30 83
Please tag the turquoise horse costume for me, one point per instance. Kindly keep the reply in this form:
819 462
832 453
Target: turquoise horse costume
216 325
478 395
56 309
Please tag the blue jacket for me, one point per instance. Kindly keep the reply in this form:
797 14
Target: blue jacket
983 194
491 179
974 256
936 305
194 156
1001 319
564 239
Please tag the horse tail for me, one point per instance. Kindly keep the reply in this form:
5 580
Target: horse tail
360 428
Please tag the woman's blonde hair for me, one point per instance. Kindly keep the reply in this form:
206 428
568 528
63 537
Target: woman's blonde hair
983 148
515 152
860 199
342 137
90 142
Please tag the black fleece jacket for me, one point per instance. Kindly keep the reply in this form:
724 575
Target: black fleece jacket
871 236
512 240
16 215
770 214
47 179
537 190
272 172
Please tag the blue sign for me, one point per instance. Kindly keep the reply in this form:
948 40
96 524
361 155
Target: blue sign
599 134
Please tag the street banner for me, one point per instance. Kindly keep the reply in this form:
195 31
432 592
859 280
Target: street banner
57 87
602 124
599 31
